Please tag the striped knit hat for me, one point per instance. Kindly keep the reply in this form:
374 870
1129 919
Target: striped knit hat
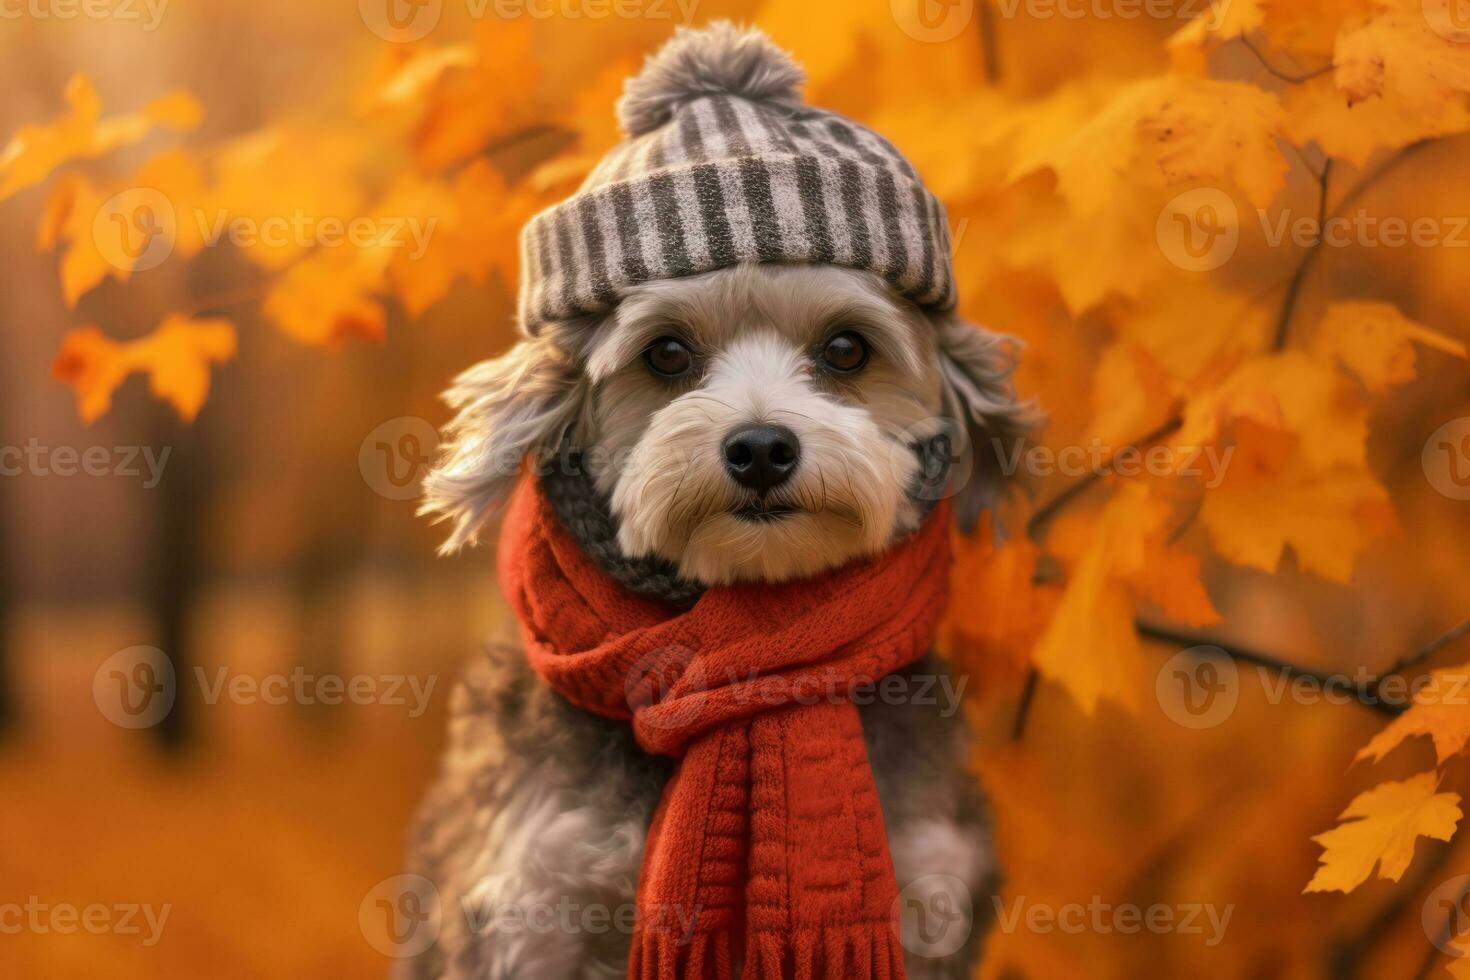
724 164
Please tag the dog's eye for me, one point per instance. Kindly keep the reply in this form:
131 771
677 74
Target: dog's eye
845 353
668 357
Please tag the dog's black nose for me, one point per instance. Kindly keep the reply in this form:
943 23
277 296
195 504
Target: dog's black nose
761 457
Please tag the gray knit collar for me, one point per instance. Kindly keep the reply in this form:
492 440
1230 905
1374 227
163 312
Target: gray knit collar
584 513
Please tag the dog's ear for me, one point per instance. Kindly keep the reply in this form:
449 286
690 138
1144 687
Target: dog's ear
976 366
523 402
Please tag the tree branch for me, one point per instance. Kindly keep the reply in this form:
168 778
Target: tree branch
1362 694
1294 287
1293 79
1049 510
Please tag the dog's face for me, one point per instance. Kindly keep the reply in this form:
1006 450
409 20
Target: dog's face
754 423
757 423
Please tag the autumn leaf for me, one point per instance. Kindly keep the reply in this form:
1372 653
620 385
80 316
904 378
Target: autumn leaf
1223 325
418 71
1327 518
175 356
1005 574
331 295
35 151
467 110
1130 394
1380 829
131 224
1090 646
1441 710
1292 392
1400 51
1317 111
1167 131
1376 342
263 200
466 229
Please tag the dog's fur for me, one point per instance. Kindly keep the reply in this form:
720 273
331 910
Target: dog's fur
543 806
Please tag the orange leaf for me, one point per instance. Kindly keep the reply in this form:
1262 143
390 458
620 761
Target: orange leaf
1383 826
330 296
35 151
1441 710
1377 342
176 357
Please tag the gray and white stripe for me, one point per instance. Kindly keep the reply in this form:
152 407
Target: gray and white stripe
730 180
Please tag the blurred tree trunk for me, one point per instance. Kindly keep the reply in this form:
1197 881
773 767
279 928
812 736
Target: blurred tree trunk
176 570
8 695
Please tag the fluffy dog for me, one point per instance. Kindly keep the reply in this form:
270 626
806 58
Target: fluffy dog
741 417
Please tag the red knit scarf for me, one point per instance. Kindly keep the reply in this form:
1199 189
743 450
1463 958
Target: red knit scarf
769 835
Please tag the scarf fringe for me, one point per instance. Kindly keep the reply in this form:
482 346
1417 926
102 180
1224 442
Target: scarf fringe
859 951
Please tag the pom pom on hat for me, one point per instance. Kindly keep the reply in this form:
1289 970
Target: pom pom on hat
718 58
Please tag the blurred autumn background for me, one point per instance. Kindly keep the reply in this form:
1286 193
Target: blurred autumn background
250 242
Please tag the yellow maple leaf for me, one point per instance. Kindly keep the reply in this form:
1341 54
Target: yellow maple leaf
470 109
1441 710
331 295
1327 517
1165 131
414 73
466 229
1130 394
175 356
1223 324
1318 112
1400 50
132 224
1002 573
266 202
1381 828
1291 391
1091 646
1376 342
35 151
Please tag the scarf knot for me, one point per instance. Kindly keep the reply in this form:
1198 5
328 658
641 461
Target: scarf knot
768 845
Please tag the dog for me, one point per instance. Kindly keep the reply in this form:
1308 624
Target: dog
746 420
